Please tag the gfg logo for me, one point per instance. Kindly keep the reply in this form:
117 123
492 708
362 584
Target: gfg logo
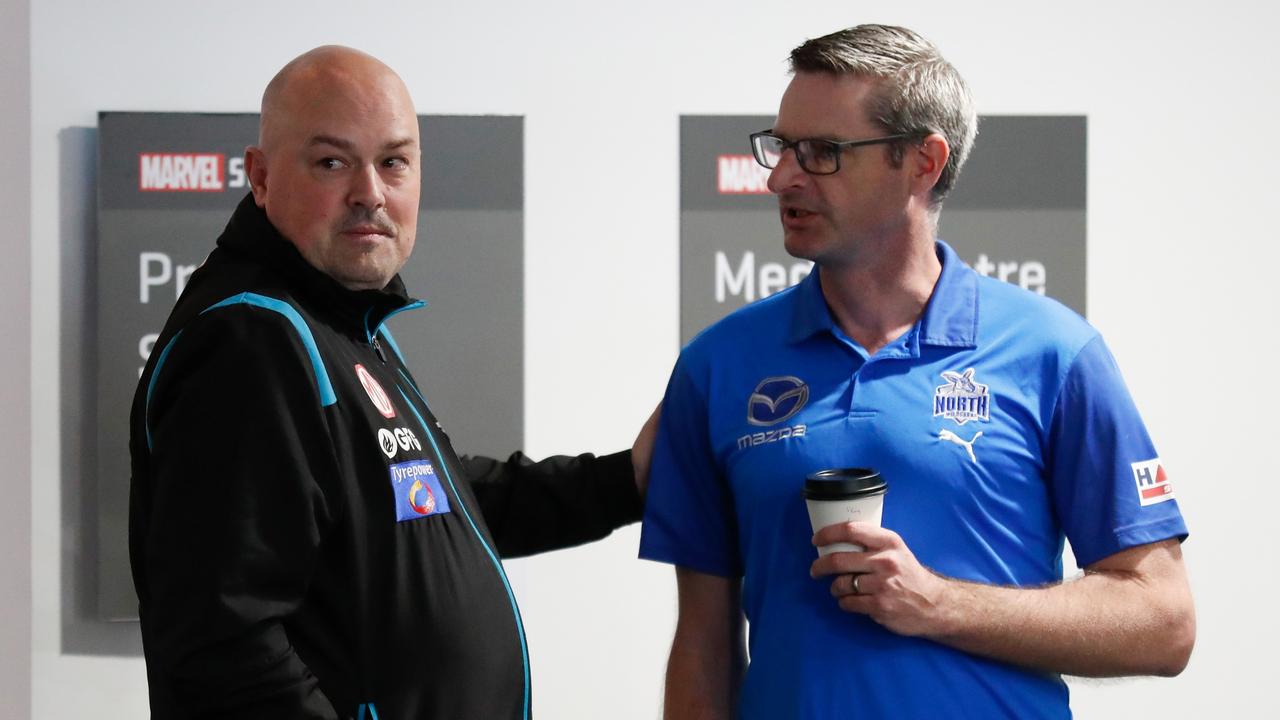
399 439
776 399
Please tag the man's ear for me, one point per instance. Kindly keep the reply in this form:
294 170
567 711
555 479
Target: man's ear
255 166
927 161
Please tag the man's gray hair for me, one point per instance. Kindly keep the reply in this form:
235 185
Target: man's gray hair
918 91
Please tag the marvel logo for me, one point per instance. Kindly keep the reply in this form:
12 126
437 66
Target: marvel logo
741 175
180 172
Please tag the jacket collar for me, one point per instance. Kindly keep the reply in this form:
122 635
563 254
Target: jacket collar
250 233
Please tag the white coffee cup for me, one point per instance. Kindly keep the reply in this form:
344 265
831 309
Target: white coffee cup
844 495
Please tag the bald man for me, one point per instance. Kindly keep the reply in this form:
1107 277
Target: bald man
305 542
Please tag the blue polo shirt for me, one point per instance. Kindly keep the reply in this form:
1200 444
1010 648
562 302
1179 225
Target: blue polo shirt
1001 425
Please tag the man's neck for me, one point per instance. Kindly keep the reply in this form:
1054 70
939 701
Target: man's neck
876 300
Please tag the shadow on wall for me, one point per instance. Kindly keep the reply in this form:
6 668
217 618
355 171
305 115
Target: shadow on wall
83 630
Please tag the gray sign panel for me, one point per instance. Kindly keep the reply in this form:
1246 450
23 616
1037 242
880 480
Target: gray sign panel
167 185
1017 213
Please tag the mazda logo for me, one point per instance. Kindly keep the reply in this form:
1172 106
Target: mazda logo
775 399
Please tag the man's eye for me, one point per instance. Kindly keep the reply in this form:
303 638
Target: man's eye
824 151
772 145
396 163
329 163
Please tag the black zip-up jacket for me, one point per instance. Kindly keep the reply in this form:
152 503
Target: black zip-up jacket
305 542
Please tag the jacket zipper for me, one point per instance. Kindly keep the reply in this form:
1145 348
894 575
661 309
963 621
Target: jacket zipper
493 557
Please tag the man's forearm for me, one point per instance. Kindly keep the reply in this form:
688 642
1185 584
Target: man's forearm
1103 624
558 502
700 686
1131 614
708 658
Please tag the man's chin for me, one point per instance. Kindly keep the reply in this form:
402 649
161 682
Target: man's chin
359 285
799 245
366 279
364 271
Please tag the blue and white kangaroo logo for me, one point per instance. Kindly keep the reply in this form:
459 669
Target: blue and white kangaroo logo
961 381
962 399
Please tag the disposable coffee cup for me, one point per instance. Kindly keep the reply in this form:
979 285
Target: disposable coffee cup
844 495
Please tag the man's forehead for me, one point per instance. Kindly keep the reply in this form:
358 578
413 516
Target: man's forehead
824 105
344 142
371 123
385 102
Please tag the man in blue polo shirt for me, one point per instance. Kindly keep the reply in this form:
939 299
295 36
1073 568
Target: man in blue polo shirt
998 418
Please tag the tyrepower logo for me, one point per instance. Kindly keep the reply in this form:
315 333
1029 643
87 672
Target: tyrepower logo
181 172
741 175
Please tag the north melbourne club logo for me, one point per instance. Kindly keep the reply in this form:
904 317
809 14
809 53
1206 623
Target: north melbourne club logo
776 399
961 399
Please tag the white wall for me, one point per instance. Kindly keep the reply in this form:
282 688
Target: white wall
15 363
1180 100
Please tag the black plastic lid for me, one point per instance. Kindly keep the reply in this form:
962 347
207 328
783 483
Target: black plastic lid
843 484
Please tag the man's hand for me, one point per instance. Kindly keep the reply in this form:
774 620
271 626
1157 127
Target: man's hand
885 582
642 450
1130 614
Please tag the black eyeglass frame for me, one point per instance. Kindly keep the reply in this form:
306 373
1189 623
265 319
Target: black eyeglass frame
758 152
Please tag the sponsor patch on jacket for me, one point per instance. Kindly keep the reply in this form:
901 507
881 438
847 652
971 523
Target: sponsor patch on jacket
393 441
377 395
417 490
1153 483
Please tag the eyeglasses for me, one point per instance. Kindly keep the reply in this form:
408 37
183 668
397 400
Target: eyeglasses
816 156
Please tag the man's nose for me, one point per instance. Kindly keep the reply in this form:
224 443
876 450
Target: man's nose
367 189
787 173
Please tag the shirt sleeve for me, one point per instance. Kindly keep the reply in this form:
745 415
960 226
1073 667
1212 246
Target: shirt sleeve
1109 489
559 502
235 514
689 517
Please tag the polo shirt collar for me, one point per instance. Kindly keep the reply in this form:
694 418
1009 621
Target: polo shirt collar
950 318
810 315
